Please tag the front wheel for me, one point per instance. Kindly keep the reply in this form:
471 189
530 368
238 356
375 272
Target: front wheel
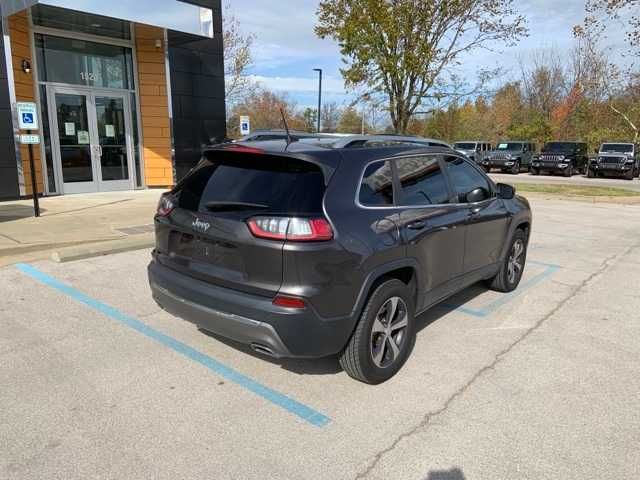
568 172
384 336
630 175
515 170
535 171
510 274
591 173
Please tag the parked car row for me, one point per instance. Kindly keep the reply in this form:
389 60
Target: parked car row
564 158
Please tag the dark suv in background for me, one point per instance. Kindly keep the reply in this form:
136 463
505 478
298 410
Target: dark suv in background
513 157
306 251
562 157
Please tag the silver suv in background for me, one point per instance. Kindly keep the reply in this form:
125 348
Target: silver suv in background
616 159
474 149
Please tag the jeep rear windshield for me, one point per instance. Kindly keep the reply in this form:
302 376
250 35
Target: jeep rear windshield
617 148
510 147
239 181
465 146
560 147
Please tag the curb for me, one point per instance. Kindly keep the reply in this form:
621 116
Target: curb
80 252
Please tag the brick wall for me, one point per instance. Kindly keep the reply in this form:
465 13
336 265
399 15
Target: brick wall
25 88
154 106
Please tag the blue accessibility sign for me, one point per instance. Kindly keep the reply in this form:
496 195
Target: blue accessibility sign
27 116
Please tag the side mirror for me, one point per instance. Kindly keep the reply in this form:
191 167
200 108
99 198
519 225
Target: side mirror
478 195
506 192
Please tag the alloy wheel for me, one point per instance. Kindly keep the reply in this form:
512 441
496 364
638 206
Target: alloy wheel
516 262
389 332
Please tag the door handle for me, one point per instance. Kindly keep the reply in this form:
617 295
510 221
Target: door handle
417 225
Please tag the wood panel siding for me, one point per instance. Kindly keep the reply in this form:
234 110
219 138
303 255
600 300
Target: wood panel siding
154 106
20 37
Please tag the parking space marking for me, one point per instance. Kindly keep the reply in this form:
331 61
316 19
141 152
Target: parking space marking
306 413
491 307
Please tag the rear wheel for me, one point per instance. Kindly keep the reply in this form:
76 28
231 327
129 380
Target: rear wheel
510 274
384 336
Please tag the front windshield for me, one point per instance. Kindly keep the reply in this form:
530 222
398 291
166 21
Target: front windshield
509 147
559 147
617 148
465 146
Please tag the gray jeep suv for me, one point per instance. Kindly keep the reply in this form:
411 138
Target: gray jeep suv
512 156
302 250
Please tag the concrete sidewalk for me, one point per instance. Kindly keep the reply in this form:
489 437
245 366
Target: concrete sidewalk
107 219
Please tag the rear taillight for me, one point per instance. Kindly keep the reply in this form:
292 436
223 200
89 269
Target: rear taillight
293 229
165 206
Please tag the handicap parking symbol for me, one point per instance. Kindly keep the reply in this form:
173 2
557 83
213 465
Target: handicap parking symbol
27 118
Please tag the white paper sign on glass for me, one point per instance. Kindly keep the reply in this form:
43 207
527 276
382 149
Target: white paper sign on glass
83 137
110 131
69 129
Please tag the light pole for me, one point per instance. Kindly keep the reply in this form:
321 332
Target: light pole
319 70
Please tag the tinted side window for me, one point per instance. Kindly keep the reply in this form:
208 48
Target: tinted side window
465 178
376 188
422 180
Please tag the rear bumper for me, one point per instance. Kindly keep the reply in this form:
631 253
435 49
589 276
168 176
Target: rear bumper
248 319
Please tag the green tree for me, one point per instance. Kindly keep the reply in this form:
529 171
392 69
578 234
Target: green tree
310 116
405 48
350 121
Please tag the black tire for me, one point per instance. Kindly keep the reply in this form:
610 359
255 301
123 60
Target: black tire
568 172
630 175
504 281
637 172
515 170
359 358
591 174
535 171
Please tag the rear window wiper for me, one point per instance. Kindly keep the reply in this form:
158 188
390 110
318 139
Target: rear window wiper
222 206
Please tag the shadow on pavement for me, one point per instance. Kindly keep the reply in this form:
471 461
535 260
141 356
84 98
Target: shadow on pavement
453 474
9 213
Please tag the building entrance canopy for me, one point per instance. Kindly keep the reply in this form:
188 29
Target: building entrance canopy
170 14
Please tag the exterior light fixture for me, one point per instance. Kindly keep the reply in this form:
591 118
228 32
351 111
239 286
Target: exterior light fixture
158 43
26 66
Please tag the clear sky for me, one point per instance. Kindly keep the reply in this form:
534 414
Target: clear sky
286 49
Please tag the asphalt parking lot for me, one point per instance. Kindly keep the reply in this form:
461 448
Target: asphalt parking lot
98 382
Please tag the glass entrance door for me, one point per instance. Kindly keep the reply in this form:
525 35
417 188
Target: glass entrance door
92 139
74 149
113 152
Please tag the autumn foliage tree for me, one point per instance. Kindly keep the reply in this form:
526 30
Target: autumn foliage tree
407 49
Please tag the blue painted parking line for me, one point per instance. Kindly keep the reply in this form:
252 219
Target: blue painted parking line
485 311
287 403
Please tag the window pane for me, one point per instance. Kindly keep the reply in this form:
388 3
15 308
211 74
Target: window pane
465 178
73 21
377 185
283 186
65 60
422 180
